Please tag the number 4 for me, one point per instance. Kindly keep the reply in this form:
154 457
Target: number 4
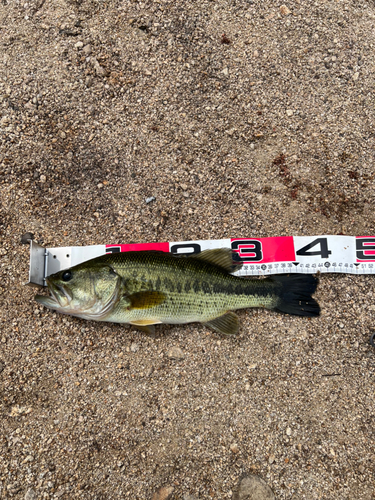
323 252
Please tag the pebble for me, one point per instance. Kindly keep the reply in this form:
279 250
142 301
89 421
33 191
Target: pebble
87 49
42 178
284 10
289 112
189 497
100 71
16 411
4 121
175 353
234 448
134 347
30 494
78 45
150 199
3 251
253 488
288 431
163 493
2 366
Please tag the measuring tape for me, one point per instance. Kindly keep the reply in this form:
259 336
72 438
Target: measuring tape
259 256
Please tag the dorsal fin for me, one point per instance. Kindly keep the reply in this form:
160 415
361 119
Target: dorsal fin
221 257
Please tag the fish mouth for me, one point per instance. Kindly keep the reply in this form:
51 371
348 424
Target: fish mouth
59 297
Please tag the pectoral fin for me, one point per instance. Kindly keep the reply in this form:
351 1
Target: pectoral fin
145 300
227 324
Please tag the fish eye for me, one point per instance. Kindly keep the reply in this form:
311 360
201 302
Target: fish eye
66 276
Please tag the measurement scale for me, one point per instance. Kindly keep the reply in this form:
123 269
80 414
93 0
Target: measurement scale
259 256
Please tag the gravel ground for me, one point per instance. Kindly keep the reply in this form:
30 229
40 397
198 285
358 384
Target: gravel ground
242 118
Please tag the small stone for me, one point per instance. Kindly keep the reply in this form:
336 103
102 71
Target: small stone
63 135
355 76
149 371
234 448
78 45
289 112
100 185
271 459
29 105
100 71
163 493
3 251
150 199
189 497
87 49
253 488
288 431
256 53
4 121
2 366
225 71
42 178
134 347
284 10
30 494
175 353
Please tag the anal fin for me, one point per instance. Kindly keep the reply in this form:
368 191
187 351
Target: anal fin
149 329
227 324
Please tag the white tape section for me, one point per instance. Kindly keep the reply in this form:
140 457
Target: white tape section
259 256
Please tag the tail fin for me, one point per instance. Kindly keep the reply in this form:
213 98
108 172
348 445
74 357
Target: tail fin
295 292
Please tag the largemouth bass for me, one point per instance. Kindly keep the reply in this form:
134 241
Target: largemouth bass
147 288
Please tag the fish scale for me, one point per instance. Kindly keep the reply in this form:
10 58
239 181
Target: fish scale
146 288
